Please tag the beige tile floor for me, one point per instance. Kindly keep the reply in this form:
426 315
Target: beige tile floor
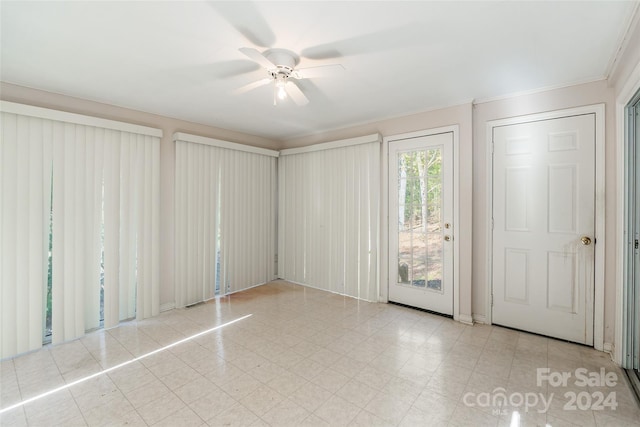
307 358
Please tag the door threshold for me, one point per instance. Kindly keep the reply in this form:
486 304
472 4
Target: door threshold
542 335
421 309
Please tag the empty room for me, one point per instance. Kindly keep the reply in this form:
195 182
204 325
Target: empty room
301 213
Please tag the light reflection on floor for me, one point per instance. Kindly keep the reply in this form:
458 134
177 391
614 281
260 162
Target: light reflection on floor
121 365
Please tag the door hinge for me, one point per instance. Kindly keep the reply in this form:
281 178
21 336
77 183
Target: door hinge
636 244
491 300
492 223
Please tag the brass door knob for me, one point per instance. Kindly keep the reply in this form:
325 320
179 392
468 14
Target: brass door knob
585 240
447 238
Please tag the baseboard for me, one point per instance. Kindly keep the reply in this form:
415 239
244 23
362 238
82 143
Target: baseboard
167 306
466 319
246 289
307 285
480 318
608 348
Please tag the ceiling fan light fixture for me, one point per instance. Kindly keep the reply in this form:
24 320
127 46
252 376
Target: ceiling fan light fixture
279 83
282 93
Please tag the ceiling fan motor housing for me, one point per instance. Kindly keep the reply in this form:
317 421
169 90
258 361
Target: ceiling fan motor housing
282 58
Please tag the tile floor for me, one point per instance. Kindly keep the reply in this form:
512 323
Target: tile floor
308 358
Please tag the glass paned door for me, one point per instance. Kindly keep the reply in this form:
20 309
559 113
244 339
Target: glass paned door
631 345
420 235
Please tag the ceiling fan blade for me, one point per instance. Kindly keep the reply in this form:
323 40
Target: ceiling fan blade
227 69
257 57
312 91
319 71
379 41
296 94
247 20
252 86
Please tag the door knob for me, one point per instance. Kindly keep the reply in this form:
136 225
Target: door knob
585 240
447 238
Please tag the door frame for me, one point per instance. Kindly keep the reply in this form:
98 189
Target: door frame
627 93
597 311
384 208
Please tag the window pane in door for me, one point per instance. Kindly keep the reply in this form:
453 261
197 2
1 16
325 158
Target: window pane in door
419 278
420 244
434 274
405 252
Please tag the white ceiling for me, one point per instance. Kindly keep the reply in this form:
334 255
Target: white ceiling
181 59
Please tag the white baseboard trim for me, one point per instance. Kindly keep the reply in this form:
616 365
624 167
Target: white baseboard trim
307 285
609 348
480 318
466 319
172 305
167 306
243 289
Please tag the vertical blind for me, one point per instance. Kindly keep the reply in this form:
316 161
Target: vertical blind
25 185
225 218
93 190
329 219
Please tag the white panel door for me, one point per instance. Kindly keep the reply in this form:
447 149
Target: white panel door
544 222
420 222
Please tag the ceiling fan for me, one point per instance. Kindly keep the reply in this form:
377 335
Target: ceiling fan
280 65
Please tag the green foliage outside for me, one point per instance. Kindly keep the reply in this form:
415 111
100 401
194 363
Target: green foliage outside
47 325
421 178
